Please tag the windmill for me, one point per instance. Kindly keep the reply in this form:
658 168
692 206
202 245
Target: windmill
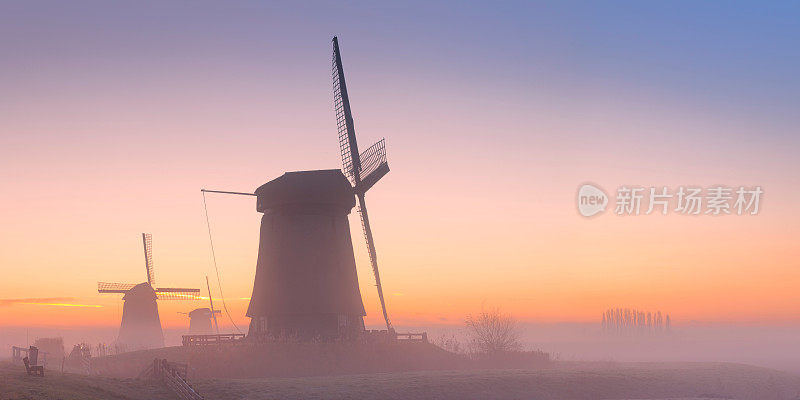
306 283
200 321
200 318
141 325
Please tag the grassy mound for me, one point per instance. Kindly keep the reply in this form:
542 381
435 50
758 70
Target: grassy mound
297 359
282 359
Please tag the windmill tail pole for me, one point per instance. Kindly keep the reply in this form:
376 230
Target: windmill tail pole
373 258
214 255
227 192
210 300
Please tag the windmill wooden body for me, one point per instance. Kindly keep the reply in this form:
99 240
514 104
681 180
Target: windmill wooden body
306 284
140 327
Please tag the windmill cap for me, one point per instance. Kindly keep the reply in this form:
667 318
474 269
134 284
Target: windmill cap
327 187
200 312
142 291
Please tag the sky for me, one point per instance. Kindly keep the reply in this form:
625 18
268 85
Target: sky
114 116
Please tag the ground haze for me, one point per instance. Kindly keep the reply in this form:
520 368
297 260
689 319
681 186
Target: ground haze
563 381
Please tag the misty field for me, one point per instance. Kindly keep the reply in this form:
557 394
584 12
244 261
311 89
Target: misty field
563 381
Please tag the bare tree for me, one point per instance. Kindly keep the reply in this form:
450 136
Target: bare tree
492 332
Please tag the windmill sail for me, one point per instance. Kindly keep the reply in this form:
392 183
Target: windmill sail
161 293
351 164
147 240
373 257
373 166
374 161
177 294
106 287
141 324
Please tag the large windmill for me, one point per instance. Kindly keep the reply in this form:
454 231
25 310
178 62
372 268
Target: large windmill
306 283
141 325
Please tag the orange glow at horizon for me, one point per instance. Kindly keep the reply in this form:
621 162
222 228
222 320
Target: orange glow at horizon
64 305
571 271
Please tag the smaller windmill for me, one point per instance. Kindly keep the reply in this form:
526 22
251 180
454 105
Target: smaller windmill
200 321
200 318
141 325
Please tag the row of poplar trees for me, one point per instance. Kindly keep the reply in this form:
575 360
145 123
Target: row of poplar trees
632 321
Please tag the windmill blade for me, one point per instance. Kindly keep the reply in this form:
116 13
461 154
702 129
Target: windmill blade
177 294
351 163
373 257
373 166
373 157
106 287
147 240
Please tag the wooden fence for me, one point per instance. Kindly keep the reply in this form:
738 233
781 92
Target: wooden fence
206 340
412 337
18 353
172 375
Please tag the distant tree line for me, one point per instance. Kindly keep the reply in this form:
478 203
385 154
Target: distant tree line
632 321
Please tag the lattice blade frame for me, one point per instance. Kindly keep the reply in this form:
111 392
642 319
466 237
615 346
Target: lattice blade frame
147 240
373 157
178 294
108 287
373 257
351 164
